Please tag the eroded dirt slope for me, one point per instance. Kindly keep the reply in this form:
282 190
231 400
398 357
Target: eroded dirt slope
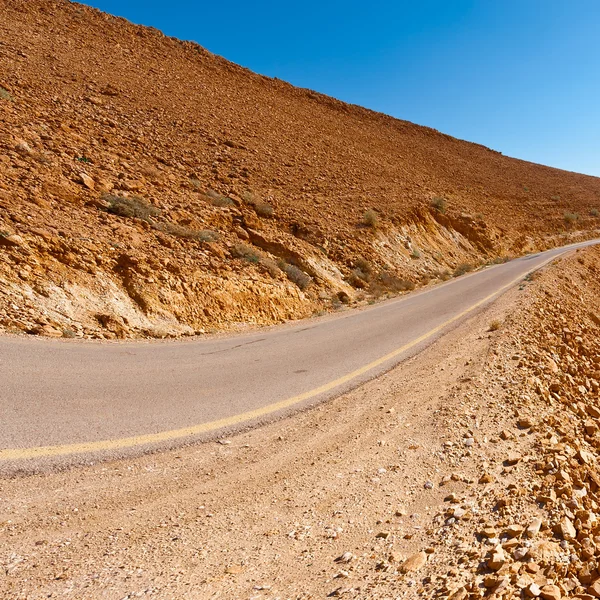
148 187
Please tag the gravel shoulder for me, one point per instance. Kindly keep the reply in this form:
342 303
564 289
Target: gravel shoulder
433 462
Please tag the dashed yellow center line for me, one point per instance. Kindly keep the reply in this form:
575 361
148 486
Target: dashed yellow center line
13 454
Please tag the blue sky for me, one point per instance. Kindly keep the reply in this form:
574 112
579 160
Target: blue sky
519 76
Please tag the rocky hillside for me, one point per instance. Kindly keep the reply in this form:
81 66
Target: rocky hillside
150 188
529 527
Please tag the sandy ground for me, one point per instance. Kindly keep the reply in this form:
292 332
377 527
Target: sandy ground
266 513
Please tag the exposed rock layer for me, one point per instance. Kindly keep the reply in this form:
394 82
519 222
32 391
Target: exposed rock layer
93 109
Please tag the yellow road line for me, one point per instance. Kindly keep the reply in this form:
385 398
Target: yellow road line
175 434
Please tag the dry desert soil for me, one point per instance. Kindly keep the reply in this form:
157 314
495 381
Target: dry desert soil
469 471
149 188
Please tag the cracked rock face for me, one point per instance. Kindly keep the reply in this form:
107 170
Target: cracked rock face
107 152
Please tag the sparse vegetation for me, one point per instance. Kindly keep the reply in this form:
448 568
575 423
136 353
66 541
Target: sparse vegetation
261 208
365 267
495 325
442 275
440 204
4 95
201 235
264 209
462 269
361 274
246 252
415 253
221 201
570 218
388 282
594 212
555 198
371 219
130 207
217 199
357 279
499 260
525 188
269 265
297 276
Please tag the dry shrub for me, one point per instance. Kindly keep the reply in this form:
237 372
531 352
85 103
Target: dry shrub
442 275
130 207
297 276
361 274
269 265
4 95
261 208
357 279
202 235
495 325
264 209
570 218
371 219
222 201
462 269
388 282
440 204
246 252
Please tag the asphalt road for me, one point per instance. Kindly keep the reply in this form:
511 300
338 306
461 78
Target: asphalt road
62 400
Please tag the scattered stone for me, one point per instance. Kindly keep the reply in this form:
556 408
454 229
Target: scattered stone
594 588
413 563
11 240
234 569
566 529
533 528
513 531
520 553
459 594
525 422
513 458
486 478
532 590
551 592
345 558
86 181
459 512
497 560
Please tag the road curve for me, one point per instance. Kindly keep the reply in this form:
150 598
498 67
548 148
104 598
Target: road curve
63 400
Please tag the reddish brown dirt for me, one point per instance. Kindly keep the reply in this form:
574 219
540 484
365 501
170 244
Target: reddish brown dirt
93 105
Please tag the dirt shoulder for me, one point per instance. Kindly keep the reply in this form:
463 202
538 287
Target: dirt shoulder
426 463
